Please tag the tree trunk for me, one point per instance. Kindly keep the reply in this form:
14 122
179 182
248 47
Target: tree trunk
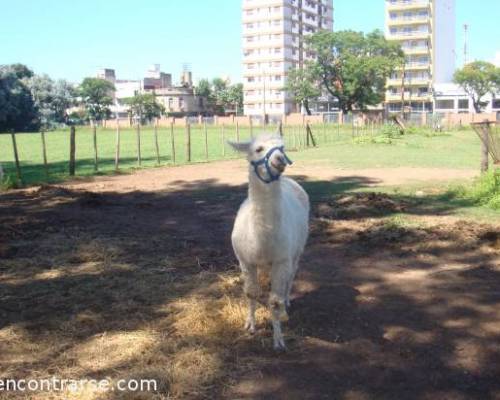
306 106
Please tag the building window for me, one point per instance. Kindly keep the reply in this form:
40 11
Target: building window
463 104
277 77
495 104
277 50
250 79
445 104
249 38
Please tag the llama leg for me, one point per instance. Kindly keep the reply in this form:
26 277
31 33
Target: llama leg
250 321
251 289
279 287
290 282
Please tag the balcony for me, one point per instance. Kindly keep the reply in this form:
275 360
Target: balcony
409 82
416 66
403 5
416 50
401 35
408 96
401 21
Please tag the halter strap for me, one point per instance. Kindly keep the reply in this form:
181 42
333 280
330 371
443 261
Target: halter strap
265 160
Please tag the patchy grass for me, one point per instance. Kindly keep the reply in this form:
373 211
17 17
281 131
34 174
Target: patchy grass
338 146
484 191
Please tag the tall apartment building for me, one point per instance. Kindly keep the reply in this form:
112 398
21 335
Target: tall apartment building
273 43
426 31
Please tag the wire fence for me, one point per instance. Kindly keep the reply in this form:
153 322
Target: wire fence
29 158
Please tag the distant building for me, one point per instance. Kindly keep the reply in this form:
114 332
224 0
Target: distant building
426 31
451 98
273 43
178 100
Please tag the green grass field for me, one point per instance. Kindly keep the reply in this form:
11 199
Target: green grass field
337 146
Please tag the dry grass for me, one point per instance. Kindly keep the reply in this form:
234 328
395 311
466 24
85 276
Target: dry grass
185 341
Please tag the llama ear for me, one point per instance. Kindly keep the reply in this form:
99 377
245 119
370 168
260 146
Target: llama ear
243 147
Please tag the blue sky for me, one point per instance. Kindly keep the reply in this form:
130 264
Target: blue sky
72 38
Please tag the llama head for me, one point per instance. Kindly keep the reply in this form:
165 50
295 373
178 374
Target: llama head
266 155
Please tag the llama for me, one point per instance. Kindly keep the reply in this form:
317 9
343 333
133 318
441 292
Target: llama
271 229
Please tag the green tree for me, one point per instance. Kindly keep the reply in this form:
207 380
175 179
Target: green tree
301 84
234 97
52 99
353 67
203 89
96 97
478 79
144 107
17 109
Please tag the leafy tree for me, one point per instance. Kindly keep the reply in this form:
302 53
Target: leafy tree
144 107
477 79
203 89
52 99
234 97
17 109
302 86
220 96
96 96
353 67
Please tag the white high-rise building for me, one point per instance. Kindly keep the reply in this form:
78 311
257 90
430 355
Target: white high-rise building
273 43
426 31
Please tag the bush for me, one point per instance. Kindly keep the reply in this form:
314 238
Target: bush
390 131
485 190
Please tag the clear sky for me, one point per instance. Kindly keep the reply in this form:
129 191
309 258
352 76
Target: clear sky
72 38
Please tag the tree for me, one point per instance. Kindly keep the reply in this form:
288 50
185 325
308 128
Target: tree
203 89
301 85
478 79
353 67
220 96
52 99
234 97
96 96
144 107
17 109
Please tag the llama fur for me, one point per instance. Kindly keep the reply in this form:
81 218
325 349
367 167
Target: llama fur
270 232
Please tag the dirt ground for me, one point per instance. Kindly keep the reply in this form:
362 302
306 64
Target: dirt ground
133 277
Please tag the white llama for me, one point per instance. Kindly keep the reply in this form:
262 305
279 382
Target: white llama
271 228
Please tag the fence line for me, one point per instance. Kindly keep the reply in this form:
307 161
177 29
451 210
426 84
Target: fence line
197 142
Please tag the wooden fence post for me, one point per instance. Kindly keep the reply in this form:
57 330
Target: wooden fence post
117 150
16 157
138 134
484 147
280 128
188 142
72 150
307 134
94 135
157 148
206 139
310 134
251 128
223 142
237 132
44 153
172 141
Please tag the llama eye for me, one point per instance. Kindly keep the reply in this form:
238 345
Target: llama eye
259 149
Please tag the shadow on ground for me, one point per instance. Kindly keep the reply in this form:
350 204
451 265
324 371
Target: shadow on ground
382 308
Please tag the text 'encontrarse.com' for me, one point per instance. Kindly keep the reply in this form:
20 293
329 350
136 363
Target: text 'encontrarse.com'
54 384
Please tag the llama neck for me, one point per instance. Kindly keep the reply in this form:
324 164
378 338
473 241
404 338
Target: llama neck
265 200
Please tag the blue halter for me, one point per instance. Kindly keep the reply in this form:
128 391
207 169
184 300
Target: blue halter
265 161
